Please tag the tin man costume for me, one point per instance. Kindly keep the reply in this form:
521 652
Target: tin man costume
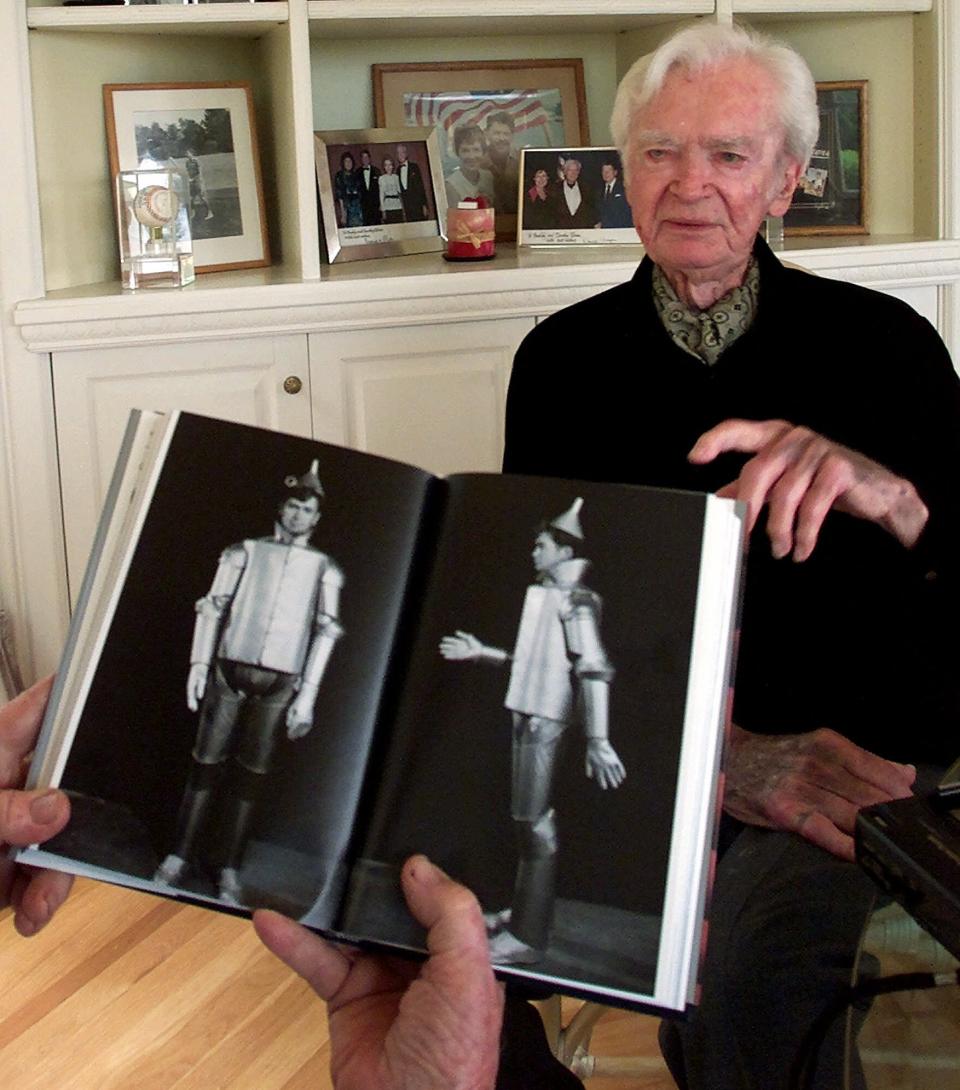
559 673
261 643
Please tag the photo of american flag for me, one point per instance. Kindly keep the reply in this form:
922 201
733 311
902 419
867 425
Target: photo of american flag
537 115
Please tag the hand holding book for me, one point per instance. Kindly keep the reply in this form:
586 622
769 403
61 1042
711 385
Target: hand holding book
395 1023
28 817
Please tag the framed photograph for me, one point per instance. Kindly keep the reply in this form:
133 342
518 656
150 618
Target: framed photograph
381 192
208 131
485 113
831 198
573 197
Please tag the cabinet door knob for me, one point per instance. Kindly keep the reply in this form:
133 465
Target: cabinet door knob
292 384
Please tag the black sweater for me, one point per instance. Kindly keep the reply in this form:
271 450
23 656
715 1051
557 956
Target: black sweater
862 636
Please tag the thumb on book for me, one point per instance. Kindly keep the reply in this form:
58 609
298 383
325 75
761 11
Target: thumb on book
448 910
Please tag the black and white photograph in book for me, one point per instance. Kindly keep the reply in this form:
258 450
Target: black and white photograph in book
349 660
237 719
539 764
573 197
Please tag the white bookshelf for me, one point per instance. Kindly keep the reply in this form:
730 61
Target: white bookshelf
309 64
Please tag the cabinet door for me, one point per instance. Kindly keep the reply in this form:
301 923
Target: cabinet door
429 395
95 389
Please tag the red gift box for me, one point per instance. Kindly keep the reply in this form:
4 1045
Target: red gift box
470 233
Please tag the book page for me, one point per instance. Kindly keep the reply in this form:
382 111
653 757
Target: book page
223 785
486 773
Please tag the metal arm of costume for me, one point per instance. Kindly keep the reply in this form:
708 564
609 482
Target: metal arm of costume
212 608
496 656
326 631
590 663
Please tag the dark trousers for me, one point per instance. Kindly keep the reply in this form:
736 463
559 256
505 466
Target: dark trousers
785 925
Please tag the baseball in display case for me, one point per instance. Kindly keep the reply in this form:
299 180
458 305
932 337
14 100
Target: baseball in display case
156 250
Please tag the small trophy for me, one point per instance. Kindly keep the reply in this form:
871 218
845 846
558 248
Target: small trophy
156 249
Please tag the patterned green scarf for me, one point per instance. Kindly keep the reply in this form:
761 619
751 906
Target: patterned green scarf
707 333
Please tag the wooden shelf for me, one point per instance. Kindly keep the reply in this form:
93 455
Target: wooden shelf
802 9
228 20
443 18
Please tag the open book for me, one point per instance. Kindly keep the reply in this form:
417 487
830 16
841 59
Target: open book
271 697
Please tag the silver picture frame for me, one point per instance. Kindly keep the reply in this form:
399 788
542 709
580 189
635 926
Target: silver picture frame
349 234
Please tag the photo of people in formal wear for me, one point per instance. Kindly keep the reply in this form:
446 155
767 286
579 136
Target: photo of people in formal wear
367 175
391 195
574 196
363 197
348 194
379 196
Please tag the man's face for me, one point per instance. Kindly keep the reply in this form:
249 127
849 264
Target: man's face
299 517
499 140
546 552
607 172
571 171
365 158
470 154
401 153
705 168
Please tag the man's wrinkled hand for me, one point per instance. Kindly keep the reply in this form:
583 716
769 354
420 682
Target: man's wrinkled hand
811 784
800 476
28 817
396 1024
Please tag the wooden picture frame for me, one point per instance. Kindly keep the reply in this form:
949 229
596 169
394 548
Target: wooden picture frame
832 197
545 100
153 123
362 217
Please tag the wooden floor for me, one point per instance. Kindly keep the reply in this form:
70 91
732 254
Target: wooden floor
124 991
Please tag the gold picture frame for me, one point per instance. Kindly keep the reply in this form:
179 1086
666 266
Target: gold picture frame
832 197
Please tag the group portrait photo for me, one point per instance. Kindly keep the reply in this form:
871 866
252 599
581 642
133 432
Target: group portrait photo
573 195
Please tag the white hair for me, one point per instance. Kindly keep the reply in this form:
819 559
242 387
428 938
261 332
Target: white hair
705 45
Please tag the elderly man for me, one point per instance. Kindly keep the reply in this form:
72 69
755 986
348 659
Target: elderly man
715 376
574 203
